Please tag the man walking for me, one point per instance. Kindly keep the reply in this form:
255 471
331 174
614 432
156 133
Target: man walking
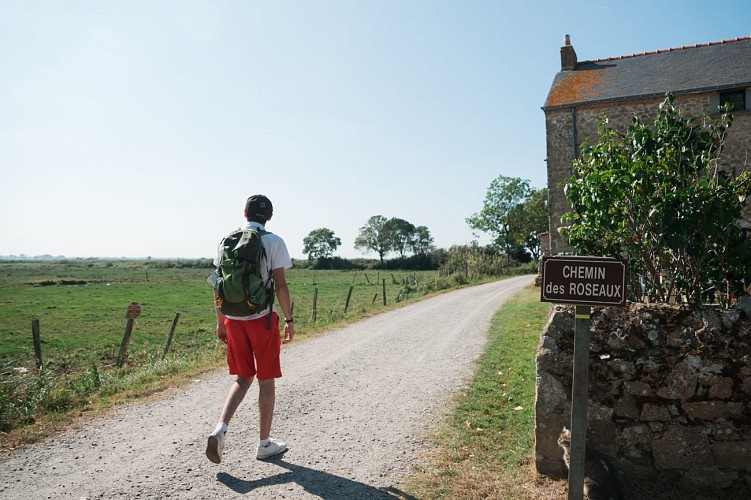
253 342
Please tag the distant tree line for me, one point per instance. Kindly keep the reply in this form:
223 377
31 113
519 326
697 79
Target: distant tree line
513 213
383 235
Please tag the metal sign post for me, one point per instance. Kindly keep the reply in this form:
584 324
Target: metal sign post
582 281
579 395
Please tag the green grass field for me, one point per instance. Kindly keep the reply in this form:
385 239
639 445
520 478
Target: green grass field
81 307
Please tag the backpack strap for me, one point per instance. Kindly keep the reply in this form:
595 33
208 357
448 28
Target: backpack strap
269 273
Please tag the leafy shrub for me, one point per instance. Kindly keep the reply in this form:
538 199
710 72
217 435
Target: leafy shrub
422 262
333 263
474 262
657 197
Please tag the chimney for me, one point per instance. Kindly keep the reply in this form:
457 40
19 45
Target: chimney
568 55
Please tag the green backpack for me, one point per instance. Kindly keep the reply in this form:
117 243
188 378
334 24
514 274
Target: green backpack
241 289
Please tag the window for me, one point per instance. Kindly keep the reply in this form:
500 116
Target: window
736 98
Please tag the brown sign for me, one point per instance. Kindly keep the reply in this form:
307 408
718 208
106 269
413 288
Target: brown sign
589 281
133 311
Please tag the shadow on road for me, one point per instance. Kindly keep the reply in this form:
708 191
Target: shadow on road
318 483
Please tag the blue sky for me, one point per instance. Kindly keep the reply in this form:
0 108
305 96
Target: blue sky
139 128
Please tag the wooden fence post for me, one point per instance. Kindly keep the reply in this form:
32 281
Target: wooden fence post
384 292
133 311
171 334
349 296
37 342
315 303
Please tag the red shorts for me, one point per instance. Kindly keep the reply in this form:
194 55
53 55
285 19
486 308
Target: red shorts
253 349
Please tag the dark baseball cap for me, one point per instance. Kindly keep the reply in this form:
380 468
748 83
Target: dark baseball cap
259 206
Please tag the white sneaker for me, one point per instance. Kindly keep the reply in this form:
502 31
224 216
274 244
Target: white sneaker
272 449
215 446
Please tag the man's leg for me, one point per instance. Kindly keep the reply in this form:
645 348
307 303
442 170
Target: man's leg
266 398
215 444
234 398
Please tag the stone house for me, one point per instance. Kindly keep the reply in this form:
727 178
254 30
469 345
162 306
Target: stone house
702 76
669 386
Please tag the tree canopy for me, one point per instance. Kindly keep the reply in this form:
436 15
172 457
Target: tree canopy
372 236
514 214
422 241
320 243
534 221
399 234
383 235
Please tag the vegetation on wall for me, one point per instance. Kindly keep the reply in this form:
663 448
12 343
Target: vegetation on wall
656 196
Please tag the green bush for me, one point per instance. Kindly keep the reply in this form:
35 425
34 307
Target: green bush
657 197
476 262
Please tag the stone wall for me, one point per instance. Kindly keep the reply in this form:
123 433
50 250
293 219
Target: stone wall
563 124
669 393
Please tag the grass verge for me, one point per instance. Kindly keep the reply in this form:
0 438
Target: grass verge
485 448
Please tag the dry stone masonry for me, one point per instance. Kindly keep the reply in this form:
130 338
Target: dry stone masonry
669 392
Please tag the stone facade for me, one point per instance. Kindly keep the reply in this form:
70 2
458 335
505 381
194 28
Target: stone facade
669 394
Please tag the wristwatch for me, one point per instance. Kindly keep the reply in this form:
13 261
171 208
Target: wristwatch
290 320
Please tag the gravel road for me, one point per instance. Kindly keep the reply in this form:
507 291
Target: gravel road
354 406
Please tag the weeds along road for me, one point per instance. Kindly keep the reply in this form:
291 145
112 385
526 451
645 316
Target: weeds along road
355 407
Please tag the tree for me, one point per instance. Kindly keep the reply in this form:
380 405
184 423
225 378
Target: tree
422 241
399 233
501 212
320 243
373 237
533 213
657 197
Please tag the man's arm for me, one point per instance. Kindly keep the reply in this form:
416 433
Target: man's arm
282 293
221 330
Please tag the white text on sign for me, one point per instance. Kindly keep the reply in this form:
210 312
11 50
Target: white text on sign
584 272
584 280
594 289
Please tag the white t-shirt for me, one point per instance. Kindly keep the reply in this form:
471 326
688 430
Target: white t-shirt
276 253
